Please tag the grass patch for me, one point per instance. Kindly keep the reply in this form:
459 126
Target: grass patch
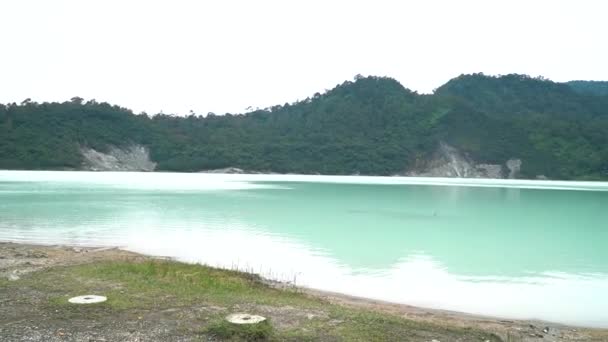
244 332
185 284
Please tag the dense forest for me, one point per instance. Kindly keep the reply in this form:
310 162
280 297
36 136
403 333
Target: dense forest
371 125
590 87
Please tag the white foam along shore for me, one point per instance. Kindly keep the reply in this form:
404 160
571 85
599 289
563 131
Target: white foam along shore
211 181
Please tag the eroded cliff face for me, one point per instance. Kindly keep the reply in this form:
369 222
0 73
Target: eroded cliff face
131 158
449 162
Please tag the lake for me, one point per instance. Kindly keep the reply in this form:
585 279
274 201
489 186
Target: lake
513 249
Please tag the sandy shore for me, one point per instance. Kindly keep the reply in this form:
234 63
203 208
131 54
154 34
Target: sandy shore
19 260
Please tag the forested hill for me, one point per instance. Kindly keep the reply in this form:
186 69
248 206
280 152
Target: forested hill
372 125
590 87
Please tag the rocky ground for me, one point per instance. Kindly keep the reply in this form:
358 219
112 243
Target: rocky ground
155 300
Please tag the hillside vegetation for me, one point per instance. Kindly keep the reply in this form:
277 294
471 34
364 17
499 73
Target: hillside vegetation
590 87
371 125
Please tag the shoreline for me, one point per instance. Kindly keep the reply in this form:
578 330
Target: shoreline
67 255
400 180
271 173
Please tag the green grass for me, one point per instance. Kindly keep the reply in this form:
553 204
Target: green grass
144 284
248 332
154 286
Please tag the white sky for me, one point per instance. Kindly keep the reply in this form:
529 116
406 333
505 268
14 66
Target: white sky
223 56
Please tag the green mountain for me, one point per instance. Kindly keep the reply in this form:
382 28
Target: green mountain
590 87
372 125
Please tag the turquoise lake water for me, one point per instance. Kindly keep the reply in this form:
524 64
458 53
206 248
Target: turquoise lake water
513 249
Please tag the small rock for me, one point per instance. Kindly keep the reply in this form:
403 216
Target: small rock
310 316
13 277
546 330
336 321
36 255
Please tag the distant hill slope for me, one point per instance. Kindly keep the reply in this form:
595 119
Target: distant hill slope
372 125
599 88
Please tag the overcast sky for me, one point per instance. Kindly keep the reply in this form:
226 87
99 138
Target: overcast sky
223 56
